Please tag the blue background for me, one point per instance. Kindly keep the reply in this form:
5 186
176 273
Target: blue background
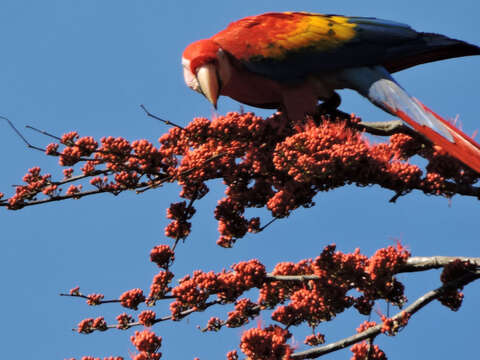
87 66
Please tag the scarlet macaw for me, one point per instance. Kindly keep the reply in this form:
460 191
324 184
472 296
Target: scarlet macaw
291 60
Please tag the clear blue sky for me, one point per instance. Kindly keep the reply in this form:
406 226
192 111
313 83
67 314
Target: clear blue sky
87 66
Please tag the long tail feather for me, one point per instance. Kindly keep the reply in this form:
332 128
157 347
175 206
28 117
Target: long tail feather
463 147
379 87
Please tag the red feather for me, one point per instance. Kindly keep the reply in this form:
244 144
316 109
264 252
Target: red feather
462 148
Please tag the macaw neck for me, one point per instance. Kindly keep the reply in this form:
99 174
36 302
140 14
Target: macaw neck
249 88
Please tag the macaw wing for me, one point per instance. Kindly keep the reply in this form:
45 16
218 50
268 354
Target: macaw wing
290 46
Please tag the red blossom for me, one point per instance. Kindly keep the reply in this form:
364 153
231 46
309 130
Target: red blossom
88 168
70 156
364 351
386 261
75 291
244 310
49 190
69 138
67 173
147 318
74 189
159 286
146 341
99 324
178 229
214 324
95 299
147 356
87 145
132 298
162 255
266 344
232 355
366 325
51 149
451 297
86 326
315 339
123 321
392 327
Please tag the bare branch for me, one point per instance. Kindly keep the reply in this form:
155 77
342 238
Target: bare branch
387 128
167 122
43 132
21 136
421 263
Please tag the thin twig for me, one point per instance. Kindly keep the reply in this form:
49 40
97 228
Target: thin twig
80 177
21 136
62 197
43 132
166 122
268 224
86 297
166 318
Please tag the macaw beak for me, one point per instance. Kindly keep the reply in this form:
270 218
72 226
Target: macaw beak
209 83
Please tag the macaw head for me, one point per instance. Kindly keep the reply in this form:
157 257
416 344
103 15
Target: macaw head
206 68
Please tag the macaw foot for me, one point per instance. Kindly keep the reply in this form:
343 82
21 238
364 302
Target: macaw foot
330 105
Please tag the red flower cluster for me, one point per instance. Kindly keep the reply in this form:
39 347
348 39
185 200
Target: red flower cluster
244 310
123 321
315 339
94 299
159 286
232 355
392 327
214 324
89 325
366 325
266 344
180 213
75 291
74 189
148 344
381 266
162 255
451 297
36 183
132 298
365 351
147 318
193 292
320 299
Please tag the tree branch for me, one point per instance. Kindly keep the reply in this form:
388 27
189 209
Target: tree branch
376 330
414 264
166 122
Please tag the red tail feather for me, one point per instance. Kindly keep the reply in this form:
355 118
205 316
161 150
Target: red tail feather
463 147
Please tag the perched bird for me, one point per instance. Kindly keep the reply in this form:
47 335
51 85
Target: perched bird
291 60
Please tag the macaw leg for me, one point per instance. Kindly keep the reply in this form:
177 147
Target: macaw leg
376 84
330 105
